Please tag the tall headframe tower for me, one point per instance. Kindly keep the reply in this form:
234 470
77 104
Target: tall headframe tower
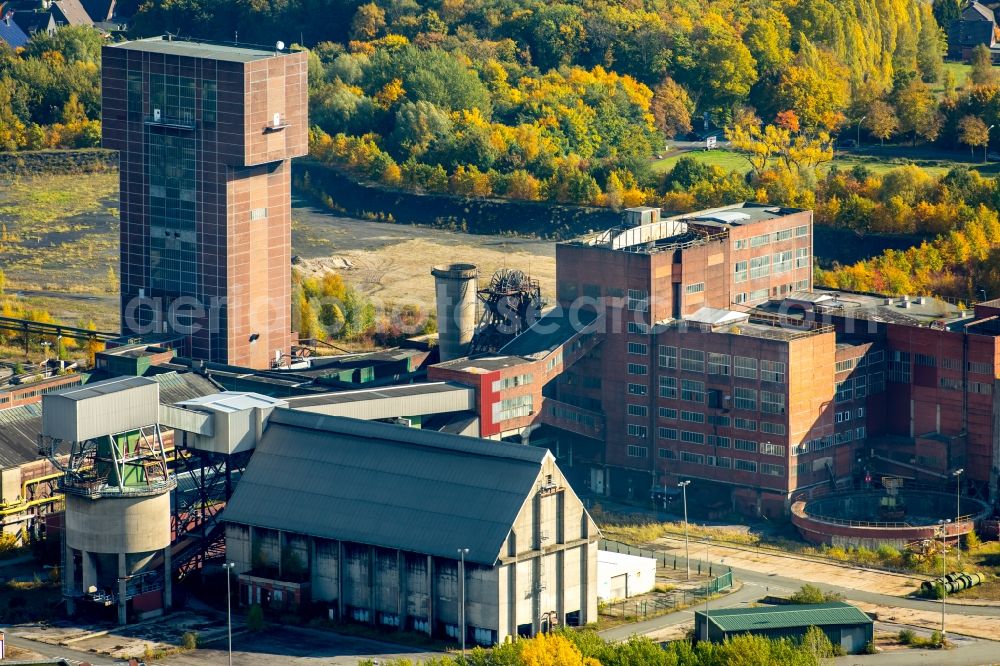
106 438
206 134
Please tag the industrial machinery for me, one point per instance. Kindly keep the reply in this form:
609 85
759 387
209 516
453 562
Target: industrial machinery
892 508
511 304
106 438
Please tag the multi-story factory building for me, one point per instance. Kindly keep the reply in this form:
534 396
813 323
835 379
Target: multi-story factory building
695 347
206 134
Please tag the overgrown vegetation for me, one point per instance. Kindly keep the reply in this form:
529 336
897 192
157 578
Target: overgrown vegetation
327 308
586 648
909 638
810 594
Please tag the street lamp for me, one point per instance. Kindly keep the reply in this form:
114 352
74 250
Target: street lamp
683 485
462 552
707 586
958 510
943 526
986 146
228 566
859 129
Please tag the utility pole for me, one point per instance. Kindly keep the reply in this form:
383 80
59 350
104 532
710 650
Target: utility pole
859 130
958 510
687 553
943 525
462 552
228 566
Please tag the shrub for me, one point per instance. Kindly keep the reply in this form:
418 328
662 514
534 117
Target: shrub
255 618
906 636
810 594
972 541
870 648
190 640
937 640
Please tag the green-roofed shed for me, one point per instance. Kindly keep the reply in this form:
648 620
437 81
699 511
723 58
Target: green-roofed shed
844 624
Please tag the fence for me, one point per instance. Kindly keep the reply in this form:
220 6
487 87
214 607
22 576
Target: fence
664 559
674 599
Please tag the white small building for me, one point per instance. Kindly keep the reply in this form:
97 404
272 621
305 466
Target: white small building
620 576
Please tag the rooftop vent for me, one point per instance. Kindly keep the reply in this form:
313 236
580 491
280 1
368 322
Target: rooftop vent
921 300
887 301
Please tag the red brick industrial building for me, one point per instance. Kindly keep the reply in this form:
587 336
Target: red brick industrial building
206 134
694 347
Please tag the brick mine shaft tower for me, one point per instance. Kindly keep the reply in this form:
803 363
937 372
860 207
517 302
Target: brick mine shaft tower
116 546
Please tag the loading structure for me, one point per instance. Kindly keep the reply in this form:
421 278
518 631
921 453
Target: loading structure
106 439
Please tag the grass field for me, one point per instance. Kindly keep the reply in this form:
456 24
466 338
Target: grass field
878 163
959 70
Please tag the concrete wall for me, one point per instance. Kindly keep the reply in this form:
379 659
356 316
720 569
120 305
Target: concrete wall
118 525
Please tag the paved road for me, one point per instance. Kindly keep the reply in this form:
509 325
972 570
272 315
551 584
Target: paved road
975 653
284 645
58 651
746 595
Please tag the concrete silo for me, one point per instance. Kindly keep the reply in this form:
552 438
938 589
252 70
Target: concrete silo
455 287
117 488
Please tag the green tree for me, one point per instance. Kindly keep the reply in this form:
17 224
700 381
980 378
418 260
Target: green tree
982 73
929 46
717 67
255 618
810 594
946 11
916 107
417 126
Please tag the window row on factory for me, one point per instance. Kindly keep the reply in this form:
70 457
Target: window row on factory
723 462
773 237
744 367
778 263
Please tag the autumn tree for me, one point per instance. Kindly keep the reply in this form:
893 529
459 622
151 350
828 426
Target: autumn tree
672 108
916 107
881 120
758 143
972 131
368 21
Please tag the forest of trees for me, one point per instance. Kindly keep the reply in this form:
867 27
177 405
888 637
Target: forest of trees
50 91
569 102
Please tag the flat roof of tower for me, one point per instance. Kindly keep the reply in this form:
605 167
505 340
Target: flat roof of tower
198 49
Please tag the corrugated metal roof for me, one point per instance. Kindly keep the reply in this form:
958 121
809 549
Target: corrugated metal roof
385 485
103 387
233 401
21 426
179 386
407 390
782 617
19 431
